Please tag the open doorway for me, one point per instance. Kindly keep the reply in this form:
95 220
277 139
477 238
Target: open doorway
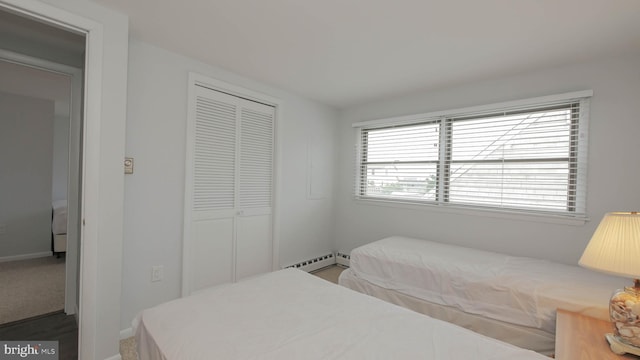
104 114
40 100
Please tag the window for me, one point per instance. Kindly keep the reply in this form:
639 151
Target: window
526 156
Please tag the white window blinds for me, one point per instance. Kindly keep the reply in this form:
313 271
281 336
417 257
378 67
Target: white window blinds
529 157
400 162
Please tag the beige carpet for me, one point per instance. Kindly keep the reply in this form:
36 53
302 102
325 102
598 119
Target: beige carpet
128 349
330 273
128 345
31 287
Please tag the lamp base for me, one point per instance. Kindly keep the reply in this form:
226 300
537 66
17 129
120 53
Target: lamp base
620 348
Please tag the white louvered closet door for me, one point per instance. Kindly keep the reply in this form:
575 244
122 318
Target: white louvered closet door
231 188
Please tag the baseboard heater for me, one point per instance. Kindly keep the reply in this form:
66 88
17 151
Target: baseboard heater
315 263
322 261
342 259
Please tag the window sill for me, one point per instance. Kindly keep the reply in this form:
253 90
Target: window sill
470 211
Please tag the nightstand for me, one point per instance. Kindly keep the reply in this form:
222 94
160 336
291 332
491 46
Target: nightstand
580 337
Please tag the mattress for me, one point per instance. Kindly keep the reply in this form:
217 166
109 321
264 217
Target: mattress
517 290
59 219
289 314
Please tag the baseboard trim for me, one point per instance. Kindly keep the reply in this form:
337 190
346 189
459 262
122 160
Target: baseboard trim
26 256
126 333
114 357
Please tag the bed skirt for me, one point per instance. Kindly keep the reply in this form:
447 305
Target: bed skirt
525 337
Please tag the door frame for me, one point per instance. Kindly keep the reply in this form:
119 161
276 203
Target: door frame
90 330
196 79
102 198
75 76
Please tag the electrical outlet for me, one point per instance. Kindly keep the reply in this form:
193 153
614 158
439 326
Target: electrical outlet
157 273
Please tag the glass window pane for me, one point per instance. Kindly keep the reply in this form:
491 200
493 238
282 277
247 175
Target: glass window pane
407 181
524 158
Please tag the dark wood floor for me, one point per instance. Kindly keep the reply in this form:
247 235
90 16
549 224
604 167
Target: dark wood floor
53 327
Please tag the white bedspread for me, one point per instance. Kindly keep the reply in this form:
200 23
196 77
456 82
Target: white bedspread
518 290
289 314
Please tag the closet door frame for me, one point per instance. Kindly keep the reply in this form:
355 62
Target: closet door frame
195 80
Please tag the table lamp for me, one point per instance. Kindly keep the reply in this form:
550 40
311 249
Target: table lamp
615 249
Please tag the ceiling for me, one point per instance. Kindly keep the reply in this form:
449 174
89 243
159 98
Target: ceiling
348 52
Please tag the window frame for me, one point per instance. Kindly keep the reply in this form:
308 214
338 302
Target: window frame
576 193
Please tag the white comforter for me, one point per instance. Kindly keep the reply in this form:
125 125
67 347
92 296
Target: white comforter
289 314
518 290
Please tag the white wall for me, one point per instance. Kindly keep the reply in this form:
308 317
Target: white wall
33 39
60 156
156 138
612 174
49 142
26 143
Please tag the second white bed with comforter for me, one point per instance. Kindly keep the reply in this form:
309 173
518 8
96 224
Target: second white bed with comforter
507 297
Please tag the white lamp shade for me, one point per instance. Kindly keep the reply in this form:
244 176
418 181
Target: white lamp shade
615 245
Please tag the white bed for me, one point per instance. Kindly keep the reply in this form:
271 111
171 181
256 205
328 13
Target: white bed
506 297
289 314
59 226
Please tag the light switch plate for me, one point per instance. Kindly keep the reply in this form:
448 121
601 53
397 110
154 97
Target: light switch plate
128 165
